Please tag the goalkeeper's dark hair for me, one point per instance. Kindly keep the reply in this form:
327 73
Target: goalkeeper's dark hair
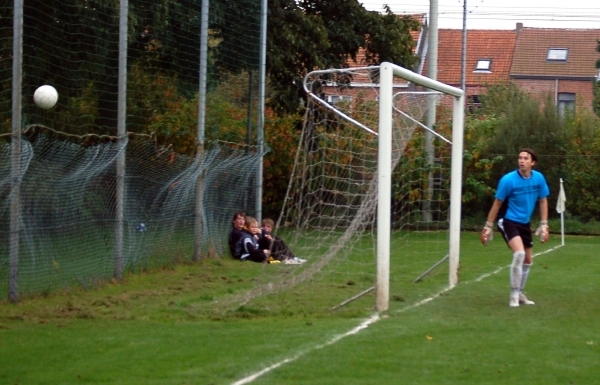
530 152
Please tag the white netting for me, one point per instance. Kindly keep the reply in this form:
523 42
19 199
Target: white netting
330 209
68 210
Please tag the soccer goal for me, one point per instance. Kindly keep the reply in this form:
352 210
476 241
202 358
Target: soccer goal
370 180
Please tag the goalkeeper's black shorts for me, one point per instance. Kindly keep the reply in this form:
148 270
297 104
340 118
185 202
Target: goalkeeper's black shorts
510 229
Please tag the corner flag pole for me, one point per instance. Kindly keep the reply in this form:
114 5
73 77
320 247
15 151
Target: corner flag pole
560 208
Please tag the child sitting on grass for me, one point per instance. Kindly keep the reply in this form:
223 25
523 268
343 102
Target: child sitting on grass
279 250
250 247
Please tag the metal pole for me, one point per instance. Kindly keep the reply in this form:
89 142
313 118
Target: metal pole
15 192
433 41
420 277
122 138
261 106
346 302
430 118
199 206
463 77
249 112
202 75
562 218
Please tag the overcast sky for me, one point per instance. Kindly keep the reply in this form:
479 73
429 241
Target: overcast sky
502 14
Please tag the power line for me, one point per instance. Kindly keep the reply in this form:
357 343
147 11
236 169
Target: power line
483 14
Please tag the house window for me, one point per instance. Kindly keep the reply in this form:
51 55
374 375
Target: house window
473 103
335 99
566 101
483 65
557 54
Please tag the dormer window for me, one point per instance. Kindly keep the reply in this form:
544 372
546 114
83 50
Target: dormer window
557 54
483 65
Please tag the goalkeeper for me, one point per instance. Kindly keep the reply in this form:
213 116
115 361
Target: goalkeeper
516 196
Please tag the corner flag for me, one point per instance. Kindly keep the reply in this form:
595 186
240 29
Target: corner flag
560 203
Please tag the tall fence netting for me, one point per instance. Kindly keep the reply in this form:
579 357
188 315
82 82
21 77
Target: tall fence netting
68 153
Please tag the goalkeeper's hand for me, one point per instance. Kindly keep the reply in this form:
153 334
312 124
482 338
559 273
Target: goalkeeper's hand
543 231
487 234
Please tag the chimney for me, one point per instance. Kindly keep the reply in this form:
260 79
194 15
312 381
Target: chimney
519 27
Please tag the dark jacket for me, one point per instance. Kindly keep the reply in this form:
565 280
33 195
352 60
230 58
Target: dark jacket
235 242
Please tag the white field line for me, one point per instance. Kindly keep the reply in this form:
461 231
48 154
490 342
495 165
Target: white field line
365 324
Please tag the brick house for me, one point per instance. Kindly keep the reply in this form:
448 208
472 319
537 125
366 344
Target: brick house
488 59
560 62
539 60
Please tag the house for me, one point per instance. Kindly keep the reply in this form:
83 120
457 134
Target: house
560 62
488 59
541 61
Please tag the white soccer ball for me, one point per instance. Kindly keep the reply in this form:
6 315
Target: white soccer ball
45 97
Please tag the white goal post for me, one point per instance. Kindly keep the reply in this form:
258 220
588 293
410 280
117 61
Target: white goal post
386 78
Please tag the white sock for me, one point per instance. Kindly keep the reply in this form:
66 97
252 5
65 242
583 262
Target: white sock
516 270
526 267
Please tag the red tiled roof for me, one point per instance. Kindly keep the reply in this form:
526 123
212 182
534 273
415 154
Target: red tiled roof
497 45
532 49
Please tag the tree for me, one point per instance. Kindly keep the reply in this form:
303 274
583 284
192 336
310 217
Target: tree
74 45
309 34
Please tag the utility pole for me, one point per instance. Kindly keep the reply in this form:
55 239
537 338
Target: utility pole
463 80
432 55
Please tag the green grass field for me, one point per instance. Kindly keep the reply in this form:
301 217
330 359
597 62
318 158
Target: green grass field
161 328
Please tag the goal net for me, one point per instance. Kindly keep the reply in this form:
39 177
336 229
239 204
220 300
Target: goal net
370 180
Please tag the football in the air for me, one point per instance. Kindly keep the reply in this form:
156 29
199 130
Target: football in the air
45 97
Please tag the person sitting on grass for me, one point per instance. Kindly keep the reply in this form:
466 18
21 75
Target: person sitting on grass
249 242
279 250
236 234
